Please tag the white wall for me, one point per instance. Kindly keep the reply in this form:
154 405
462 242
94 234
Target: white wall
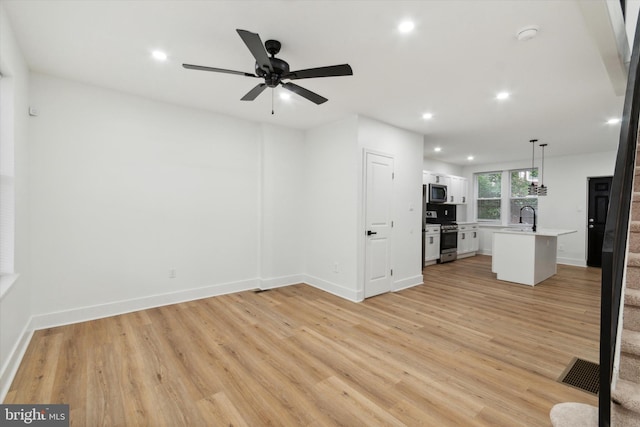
407 150
334 201
283 208
565 206
15 307
433 165
331 200
124 189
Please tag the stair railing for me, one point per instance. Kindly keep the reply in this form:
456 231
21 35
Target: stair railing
615 236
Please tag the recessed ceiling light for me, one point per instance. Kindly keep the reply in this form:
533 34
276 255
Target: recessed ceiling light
406 26
527 33
159 55
469 157
284 95
502 95
613 121
427 116
437 149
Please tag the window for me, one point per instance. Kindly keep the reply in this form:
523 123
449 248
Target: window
493 205
521 181
489 199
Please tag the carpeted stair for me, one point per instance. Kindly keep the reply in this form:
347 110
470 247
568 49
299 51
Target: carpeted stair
625 408
625 397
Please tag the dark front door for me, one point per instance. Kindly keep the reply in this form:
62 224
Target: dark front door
599 189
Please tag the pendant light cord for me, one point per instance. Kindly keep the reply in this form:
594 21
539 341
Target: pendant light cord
542 165
533 154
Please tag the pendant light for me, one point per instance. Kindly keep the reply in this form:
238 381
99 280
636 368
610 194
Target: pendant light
542 190
533 188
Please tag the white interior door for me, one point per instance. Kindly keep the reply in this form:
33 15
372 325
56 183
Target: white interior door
378 196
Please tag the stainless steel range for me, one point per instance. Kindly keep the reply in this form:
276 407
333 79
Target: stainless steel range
448 242
445 215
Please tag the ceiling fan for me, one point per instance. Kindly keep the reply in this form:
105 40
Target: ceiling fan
274 70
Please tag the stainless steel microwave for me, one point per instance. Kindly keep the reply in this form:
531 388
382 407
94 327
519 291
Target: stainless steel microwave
437 193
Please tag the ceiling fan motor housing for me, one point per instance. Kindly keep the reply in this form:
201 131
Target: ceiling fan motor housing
272 79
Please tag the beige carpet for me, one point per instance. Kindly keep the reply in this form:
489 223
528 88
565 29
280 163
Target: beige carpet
571 414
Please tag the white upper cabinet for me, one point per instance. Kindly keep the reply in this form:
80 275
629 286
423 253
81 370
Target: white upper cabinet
435 178
458 190
457 186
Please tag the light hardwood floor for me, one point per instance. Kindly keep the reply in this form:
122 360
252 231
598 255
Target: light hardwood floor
461 350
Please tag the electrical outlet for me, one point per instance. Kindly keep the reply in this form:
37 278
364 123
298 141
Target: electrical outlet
172 273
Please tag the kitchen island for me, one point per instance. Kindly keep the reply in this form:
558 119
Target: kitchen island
524 256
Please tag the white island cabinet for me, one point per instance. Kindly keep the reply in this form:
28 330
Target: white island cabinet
524 256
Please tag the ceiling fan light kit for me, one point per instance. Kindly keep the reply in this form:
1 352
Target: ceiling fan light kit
274 70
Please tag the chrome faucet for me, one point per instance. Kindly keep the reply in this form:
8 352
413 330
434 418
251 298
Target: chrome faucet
534 216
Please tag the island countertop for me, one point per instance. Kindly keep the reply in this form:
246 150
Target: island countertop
540 232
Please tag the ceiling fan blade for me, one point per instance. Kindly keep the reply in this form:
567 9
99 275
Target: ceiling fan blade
256 47
330 71
305 93
217 70
253 93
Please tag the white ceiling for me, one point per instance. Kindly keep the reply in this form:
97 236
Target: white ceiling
459 56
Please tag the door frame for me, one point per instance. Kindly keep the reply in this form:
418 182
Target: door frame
362 220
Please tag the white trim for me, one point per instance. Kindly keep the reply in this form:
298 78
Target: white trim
88 313
335 289
6 282
572 261
83 314
12 364
279 282
407 283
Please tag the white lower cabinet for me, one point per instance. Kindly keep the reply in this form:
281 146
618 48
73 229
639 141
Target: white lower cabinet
468 240
432 244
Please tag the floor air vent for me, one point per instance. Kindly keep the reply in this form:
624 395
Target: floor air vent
583 375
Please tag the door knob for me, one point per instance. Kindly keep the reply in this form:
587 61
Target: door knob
590 219
369 232
591 225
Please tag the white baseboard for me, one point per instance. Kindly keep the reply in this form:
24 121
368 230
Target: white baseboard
335 289
408 283
572 261
279 282
83 314
11 366
466 255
